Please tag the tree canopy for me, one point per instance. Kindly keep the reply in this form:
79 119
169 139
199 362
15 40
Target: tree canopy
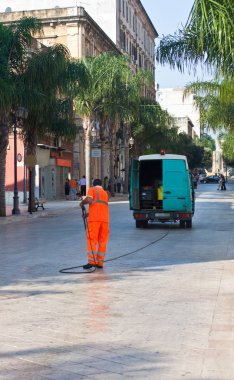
207 38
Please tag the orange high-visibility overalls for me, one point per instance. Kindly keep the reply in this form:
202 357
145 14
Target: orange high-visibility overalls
98 226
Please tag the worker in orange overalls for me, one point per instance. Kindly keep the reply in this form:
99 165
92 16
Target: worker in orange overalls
98 224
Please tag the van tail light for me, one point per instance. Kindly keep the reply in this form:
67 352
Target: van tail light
185 216
140 216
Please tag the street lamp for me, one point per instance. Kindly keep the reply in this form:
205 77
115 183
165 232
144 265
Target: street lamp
131 142
94 133
18 115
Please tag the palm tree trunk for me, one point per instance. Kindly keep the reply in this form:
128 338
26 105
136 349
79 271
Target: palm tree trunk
103 148
111 168
127 160
3 149
112 152
31 144
87 133
127 163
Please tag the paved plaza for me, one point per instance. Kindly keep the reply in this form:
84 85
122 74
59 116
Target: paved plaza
162 311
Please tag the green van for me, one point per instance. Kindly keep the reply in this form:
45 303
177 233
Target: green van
161 190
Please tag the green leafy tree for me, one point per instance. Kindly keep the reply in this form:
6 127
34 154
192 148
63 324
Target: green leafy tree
15 41
151 128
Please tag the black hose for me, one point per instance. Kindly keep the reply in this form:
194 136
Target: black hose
114 258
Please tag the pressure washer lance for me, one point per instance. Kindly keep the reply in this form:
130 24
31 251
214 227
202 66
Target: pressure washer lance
68 270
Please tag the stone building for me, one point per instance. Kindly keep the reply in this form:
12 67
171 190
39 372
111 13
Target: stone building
125 22
122 26
74 28
184 125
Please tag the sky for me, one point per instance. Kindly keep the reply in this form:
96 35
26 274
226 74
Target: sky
166 15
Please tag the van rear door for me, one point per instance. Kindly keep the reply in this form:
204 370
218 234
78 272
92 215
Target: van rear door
176 186
134 191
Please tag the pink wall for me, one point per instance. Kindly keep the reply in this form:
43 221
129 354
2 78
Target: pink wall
10 165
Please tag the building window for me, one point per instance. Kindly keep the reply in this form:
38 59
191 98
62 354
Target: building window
127 12
123 8
122 39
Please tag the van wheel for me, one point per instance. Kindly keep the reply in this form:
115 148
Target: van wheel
138 224
189 223
182 223
141 223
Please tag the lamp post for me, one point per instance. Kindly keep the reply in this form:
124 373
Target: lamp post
95 149
15 210
18 115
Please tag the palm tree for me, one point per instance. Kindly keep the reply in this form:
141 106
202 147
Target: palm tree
15 40
49 83
206 38
94 101
215 101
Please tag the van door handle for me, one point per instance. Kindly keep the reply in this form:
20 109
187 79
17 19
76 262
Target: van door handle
180 197
167 192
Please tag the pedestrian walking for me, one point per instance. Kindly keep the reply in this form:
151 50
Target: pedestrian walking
67 189
115 184
223 182
119 182
82 183
97 224
106 183
73 184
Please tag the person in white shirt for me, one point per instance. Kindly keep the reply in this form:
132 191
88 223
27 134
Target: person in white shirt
82 183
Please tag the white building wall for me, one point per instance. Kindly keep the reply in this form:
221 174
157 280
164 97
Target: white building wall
171 99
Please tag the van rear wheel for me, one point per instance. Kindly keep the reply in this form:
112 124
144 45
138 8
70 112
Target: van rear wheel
138 224
145 223
141 223
182 223
189 223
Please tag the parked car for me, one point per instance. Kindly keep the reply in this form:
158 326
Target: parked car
210 179
201 177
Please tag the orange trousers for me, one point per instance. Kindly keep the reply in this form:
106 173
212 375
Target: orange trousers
97 237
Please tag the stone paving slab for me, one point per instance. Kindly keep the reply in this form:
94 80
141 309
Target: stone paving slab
164 313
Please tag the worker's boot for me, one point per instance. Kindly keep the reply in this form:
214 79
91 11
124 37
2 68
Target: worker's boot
87 266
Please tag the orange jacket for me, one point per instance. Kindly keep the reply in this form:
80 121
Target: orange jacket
72 184
98 209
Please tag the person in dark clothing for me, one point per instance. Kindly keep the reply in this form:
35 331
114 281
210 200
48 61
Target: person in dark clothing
82 183
67 189
222 179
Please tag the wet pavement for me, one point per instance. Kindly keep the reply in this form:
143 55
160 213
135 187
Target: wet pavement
164 310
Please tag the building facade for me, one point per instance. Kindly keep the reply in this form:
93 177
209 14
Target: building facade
173 101
90 29
125 22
